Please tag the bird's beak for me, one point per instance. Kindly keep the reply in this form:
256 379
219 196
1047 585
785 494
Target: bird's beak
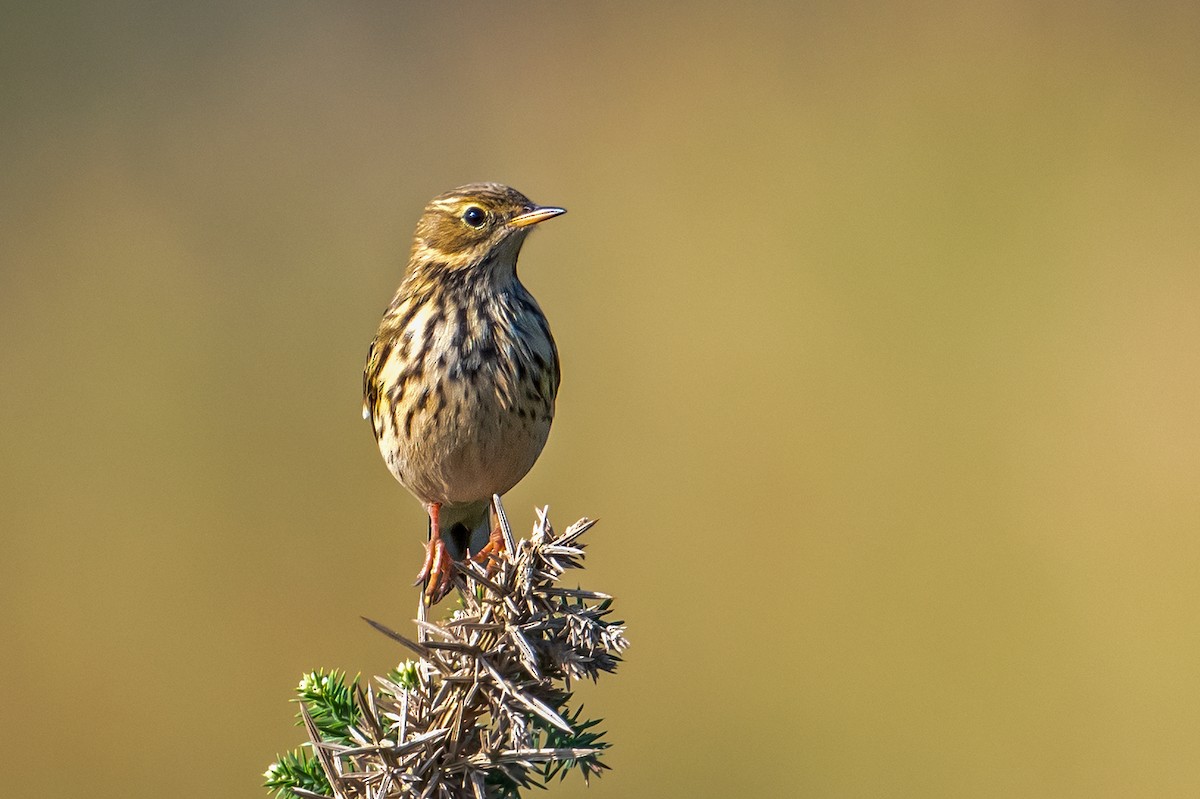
536 214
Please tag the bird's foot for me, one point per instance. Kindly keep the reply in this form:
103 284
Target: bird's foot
435 572
492 550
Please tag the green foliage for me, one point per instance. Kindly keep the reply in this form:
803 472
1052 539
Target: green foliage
330 703
582 736
501 784
296 769
405 675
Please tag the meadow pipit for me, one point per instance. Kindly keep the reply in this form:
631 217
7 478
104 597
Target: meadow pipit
461 378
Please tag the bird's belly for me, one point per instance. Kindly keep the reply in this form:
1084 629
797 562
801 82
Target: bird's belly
467 452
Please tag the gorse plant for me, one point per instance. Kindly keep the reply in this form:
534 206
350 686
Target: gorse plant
484 710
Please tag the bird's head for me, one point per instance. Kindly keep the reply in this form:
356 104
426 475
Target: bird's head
479 226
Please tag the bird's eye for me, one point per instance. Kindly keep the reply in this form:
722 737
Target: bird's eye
474 216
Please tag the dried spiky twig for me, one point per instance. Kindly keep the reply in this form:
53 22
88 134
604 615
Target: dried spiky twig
482 713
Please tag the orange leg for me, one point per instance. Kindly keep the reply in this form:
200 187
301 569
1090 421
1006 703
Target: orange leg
435 572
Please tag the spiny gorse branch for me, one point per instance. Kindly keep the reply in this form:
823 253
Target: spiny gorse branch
484 710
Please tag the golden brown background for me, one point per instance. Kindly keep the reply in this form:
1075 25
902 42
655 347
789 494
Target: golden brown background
881 335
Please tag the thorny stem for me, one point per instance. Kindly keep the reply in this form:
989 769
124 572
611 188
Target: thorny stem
487 713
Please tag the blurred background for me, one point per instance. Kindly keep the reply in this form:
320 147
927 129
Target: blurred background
881 350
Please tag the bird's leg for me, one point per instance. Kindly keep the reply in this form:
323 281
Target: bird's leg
435 572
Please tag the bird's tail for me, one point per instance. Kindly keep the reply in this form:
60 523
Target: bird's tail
464 528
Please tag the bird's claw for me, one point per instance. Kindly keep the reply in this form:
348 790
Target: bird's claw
492 550
435 572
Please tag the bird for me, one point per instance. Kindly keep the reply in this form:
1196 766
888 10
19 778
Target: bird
462 376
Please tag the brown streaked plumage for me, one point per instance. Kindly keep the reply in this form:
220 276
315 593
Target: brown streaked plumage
461 378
